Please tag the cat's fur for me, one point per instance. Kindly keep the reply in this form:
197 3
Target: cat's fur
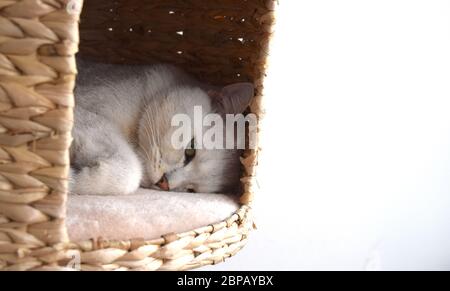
122 131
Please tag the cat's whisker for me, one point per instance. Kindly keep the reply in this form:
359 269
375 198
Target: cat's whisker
145 151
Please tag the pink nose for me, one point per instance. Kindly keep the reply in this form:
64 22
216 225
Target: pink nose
163 183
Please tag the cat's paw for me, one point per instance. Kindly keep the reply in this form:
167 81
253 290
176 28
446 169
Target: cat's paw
105 178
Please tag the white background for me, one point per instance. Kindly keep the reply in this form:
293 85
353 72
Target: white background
355 172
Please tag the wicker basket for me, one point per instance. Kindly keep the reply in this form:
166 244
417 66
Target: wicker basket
220 41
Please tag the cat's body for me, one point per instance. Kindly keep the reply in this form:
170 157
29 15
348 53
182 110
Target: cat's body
122 131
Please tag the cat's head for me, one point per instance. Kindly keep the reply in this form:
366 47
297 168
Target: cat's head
188 168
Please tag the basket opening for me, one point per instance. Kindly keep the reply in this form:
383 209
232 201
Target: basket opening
218 46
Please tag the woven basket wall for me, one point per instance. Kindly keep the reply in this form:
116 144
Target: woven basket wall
221 42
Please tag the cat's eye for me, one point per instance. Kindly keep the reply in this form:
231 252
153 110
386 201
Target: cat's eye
189 153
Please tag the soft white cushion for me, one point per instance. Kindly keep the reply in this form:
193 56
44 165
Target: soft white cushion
146 214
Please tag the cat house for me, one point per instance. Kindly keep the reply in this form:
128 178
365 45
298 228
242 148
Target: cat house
219 42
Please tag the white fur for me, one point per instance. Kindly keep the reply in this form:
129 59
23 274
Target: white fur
122 131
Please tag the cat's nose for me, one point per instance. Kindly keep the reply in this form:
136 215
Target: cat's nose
163 183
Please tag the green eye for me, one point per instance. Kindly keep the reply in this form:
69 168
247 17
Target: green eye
189 153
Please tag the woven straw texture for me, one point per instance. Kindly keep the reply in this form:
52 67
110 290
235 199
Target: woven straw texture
219 41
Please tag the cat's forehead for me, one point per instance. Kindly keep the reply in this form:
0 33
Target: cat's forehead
184 100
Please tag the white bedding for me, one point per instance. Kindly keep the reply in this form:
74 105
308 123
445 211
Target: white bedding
146 214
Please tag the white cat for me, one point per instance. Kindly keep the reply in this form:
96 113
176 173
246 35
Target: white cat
122 131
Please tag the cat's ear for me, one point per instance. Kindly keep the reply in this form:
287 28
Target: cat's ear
233 99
